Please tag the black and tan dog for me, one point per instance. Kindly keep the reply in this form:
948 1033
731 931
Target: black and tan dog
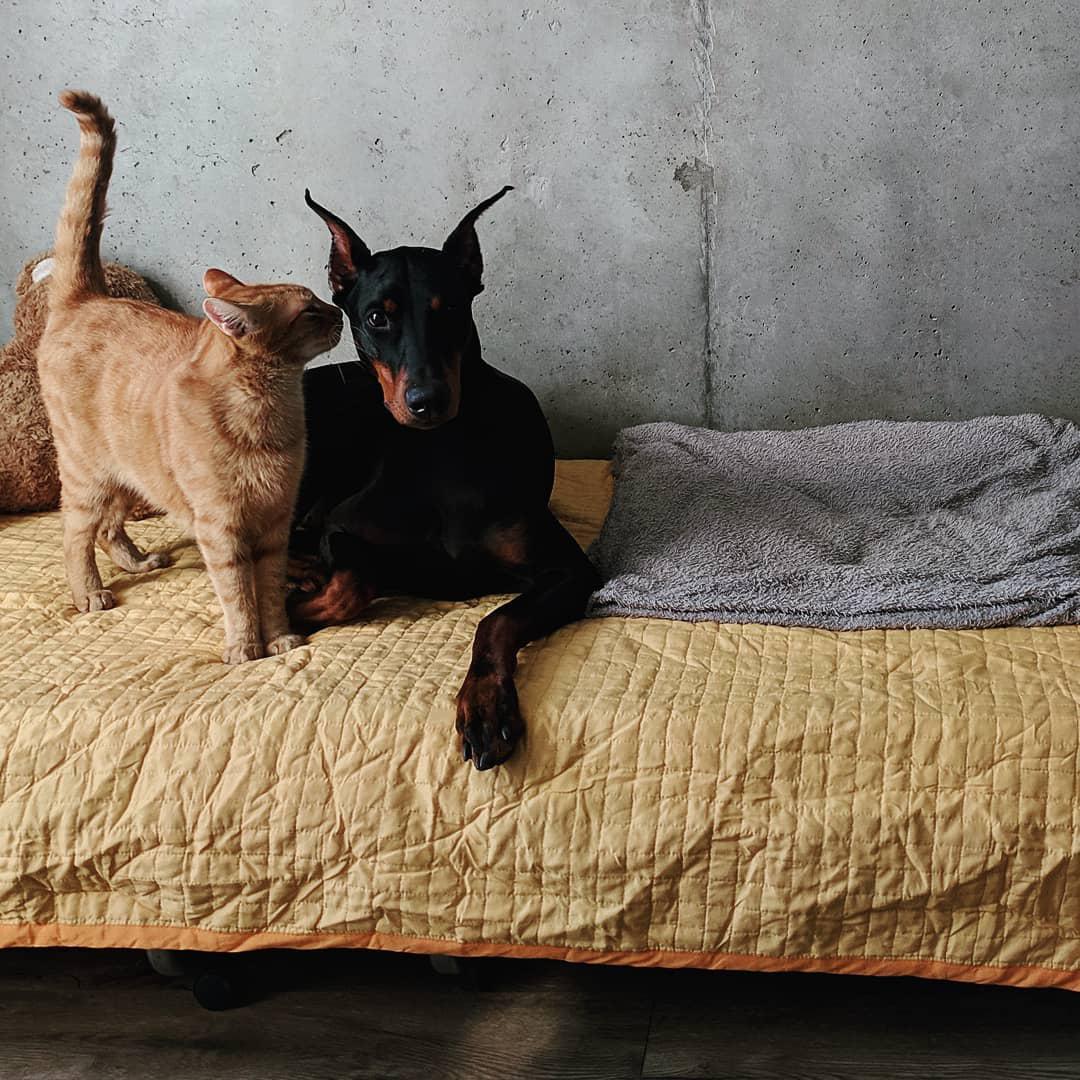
429 472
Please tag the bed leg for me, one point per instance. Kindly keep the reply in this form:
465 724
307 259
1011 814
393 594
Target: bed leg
217 982
167 962
445 965
216 990
467 972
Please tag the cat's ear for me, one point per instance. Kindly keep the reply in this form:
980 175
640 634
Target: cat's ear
234 319
348 253
463 245
217 282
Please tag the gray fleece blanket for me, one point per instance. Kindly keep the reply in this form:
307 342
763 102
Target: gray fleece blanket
852 526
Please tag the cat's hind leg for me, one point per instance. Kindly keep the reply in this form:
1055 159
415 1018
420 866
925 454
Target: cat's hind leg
113 539
82 510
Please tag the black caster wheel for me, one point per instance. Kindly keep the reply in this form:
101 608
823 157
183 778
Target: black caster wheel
216 992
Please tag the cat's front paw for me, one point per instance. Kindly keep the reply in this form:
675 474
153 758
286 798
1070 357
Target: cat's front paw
243 651
155 561
98 600
283 644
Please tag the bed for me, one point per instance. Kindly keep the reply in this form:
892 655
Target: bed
717 796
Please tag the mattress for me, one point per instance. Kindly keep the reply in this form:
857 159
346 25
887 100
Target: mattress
719 796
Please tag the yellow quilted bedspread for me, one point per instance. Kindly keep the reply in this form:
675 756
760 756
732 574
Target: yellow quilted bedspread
726 796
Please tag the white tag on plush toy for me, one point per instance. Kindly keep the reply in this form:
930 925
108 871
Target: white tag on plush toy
42 270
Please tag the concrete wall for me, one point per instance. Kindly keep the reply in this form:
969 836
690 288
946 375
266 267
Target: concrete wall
742 214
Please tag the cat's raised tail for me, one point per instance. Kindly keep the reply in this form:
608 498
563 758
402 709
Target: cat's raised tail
77 268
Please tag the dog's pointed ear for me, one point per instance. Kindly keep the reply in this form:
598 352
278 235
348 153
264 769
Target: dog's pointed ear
463 245
348 253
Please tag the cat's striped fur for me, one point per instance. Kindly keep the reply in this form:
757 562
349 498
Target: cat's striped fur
200 417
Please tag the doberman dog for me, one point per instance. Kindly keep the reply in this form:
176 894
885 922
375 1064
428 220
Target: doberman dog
429 472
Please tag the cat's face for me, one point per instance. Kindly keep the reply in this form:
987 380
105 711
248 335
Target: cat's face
286 321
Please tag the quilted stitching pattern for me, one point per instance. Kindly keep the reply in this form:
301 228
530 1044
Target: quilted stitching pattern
769 791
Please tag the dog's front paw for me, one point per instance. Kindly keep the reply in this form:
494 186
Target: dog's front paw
488 719
242 651
283 644
98 600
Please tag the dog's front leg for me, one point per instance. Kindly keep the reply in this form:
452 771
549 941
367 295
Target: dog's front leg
561 578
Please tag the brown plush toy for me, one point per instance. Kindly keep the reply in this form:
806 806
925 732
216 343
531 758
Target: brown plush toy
28 477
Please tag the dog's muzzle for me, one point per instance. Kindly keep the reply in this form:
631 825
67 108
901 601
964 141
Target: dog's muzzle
428 403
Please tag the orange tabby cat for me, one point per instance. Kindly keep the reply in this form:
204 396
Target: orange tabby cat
201 417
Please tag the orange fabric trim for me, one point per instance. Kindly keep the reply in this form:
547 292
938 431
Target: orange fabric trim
186 937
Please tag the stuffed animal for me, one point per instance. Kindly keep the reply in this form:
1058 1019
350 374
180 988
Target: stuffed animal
28 477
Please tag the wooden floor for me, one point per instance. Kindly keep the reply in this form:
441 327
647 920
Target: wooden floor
73 1013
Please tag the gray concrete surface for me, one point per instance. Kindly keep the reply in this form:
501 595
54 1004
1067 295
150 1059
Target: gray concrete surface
754 214
898 211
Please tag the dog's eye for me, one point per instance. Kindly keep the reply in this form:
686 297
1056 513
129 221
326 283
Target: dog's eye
377 320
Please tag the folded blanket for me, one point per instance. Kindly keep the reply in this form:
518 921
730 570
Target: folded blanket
852 526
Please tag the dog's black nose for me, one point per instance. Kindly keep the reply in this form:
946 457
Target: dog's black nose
425 402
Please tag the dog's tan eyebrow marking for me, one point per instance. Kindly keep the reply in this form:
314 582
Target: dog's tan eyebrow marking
389 306
436 303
